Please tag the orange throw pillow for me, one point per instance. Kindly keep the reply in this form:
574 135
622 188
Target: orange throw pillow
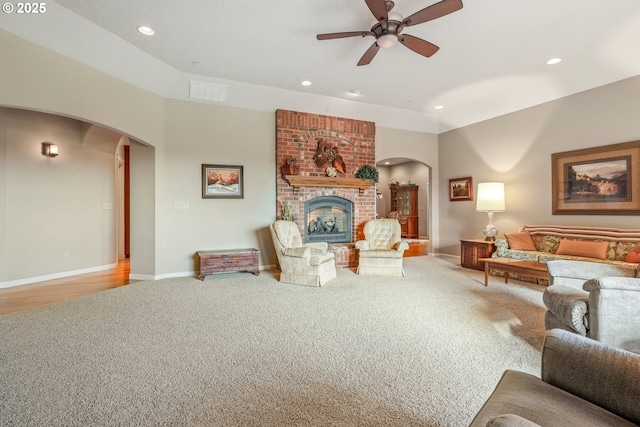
520 241
596 250
633 255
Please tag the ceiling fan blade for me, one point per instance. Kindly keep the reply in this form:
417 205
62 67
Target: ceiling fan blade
343 35
369 54
378 8
434 11
417 45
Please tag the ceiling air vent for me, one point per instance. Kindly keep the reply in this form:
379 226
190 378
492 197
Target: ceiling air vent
208 91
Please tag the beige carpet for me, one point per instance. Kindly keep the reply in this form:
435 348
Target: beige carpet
241 350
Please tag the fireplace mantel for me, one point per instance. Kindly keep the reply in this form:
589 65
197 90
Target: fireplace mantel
297 181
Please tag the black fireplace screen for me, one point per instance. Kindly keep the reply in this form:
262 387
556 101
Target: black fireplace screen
328 219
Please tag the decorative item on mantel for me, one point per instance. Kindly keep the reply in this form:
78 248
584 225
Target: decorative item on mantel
367 172
327 153
331 171
290 167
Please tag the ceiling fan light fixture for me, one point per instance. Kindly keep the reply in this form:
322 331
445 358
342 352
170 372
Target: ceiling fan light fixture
387 40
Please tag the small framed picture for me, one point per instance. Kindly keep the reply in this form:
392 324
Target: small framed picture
222 182
460 189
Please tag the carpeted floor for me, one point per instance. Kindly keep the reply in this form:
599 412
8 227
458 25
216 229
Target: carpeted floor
244 350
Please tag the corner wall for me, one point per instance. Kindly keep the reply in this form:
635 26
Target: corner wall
516 149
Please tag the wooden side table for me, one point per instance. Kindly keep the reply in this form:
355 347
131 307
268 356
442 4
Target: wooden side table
472 250
228 260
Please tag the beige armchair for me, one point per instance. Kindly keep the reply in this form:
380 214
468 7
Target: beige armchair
301 264
380 254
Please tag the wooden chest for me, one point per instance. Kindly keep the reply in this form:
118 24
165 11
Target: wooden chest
229 260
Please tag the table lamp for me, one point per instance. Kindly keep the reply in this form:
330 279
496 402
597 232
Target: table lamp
490 199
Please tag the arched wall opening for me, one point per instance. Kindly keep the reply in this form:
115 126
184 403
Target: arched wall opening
407 171
67 211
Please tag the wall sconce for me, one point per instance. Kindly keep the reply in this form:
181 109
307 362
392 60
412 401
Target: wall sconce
490 199
49 149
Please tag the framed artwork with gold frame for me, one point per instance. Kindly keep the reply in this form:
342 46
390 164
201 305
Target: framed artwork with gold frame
597 181
461 189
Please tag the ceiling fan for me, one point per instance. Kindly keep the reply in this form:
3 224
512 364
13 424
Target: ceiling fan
388 26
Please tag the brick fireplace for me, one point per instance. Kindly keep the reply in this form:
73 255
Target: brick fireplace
297 137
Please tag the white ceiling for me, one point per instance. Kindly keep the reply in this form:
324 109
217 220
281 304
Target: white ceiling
492 57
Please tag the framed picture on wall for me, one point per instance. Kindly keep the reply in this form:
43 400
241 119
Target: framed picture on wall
597 181
460 189
222 182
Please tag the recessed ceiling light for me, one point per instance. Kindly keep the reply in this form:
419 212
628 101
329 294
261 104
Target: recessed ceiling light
194 63
355 93
439 107
386 163
553 61
146 31
305 83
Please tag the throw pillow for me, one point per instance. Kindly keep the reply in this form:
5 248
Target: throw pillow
520 241
583 248
633 255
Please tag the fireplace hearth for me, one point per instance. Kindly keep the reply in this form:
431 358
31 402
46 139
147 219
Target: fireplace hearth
328 219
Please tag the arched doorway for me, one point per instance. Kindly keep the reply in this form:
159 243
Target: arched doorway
408 171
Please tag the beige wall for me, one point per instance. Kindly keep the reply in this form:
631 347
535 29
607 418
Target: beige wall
3 195
59 212
516 149
199 134
169 141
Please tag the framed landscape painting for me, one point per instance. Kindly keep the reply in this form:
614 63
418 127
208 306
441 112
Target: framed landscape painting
461 189
597 181
222 182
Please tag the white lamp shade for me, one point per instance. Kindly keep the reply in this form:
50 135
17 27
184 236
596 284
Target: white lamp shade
490 197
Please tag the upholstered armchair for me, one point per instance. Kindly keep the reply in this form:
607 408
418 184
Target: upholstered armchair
596 300
380 254
301 264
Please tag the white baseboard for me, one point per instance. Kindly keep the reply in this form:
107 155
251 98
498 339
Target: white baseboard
181 274
64 274
28 280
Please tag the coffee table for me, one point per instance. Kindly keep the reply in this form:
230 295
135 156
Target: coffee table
516 266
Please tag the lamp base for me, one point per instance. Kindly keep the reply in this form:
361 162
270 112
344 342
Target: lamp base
490 232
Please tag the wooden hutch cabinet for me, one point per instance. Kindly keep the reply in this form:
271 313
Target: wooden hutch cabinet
404 200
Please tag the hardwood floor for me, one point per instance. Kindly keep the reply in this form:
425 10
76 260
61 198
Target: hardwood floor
36 294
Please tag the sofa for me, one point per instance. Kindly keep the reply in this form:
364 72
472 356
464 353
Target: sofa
583 383
543 243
